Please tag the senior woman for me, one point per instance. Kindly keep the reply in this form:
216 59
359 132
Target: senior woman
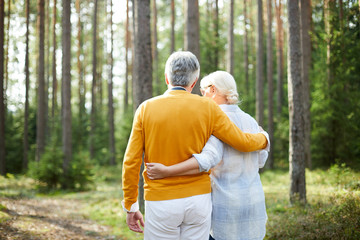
237 195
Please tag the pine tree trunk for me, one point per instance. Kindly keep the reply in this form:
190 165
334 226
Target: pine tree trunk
66 85
2 104
246 51
230 53
142 64
41 112
295 95
54 79
7 53
172 49
154 49
191 33
110 92
47 66
127 39
306 63
26 113
259 66
279 58
94 85
269 63
217 37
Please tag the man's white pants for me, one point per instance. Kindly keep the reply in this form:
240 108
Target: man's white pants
184 218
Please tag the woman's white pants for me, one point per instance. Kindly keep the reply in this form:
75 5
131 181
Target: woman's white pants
178 219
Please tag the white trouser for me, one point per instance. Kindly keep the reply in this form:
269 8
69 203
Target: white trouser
184 218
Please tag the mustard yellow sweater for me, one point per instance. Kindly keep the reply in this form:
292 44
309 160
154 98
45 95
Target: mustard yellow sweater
170 128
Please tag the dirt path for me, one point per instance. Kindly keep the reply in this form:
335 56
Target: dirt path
49 219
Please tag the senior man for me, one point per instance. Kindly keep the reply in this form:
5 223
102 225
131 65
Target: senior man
167 129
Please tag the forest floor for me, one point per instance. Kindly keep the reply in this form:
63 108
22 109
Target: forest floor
48 219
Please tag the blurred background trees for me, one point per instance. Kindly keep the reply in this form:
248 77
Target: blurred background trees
72 73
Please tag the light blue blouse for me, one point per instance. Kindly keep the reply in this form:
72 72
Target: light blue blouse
238 199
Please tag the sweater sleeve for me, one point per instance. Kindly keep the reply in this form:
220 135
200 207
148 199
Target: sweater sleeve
228 132
132 161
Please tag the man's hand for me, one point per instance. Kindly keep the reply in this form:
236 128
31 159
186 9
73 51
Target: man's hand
133 219
156 170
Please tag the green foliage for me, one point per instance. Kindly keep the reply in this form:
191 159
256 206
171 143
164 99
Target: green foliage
50 173
123 134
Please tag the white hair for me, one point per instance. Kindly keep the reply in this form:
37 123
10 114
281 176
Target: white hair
182 68
224 83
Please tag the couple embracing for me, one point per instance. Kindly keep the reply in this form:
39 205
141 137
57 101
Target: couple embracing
202 156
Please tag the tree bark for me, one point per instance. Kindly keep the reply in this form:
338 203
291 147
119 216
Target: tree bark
154 49
260 67
279 58
110 92
2 104
295 95
41 112
94 85
230 53
306 64
269 63
66 85
26 113
191 33
216 29
246 51
172 49
54 79
7 53
142 64
127 41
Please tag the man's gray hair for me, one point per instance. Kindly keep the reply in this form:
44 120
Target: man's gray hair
182 68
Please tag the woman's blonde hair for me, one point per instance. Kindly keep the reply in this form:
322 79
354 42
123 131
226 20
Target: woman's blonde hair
224 83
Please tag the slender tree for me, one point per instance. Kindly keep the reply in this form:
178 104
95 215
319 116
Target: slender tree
217 37
54 79
279 57
7 52
26 113
259 65
246 50
295 96
94 84
269 63
305 14
191 33
2 104
127 42
155 57
172 49
47 64
110 90
41 111
66 85
142 83
230 53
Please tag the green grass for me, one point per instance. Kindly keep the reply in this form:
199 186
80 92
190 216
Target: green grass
332 210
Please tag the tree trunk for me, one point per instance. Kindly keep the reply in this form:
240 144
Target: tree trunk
41 112
191 33
127 40
110 92
216 29
279 57
230 53
47 66
295 95
270 80
172 49
2 104
142 64
246 51
94 85
305 12
154 50
328 40
7 53
259 66
26 113
54 80
66 85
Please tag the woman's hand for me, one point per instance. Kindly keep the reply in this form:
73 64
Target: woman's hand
156 170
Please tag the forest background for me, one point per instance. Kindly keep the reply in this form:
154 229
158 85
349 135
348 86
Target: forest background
73 72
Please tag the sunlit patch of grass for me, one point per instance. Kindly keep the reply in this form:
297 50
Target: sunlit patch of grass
17 186
332 210
4 217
